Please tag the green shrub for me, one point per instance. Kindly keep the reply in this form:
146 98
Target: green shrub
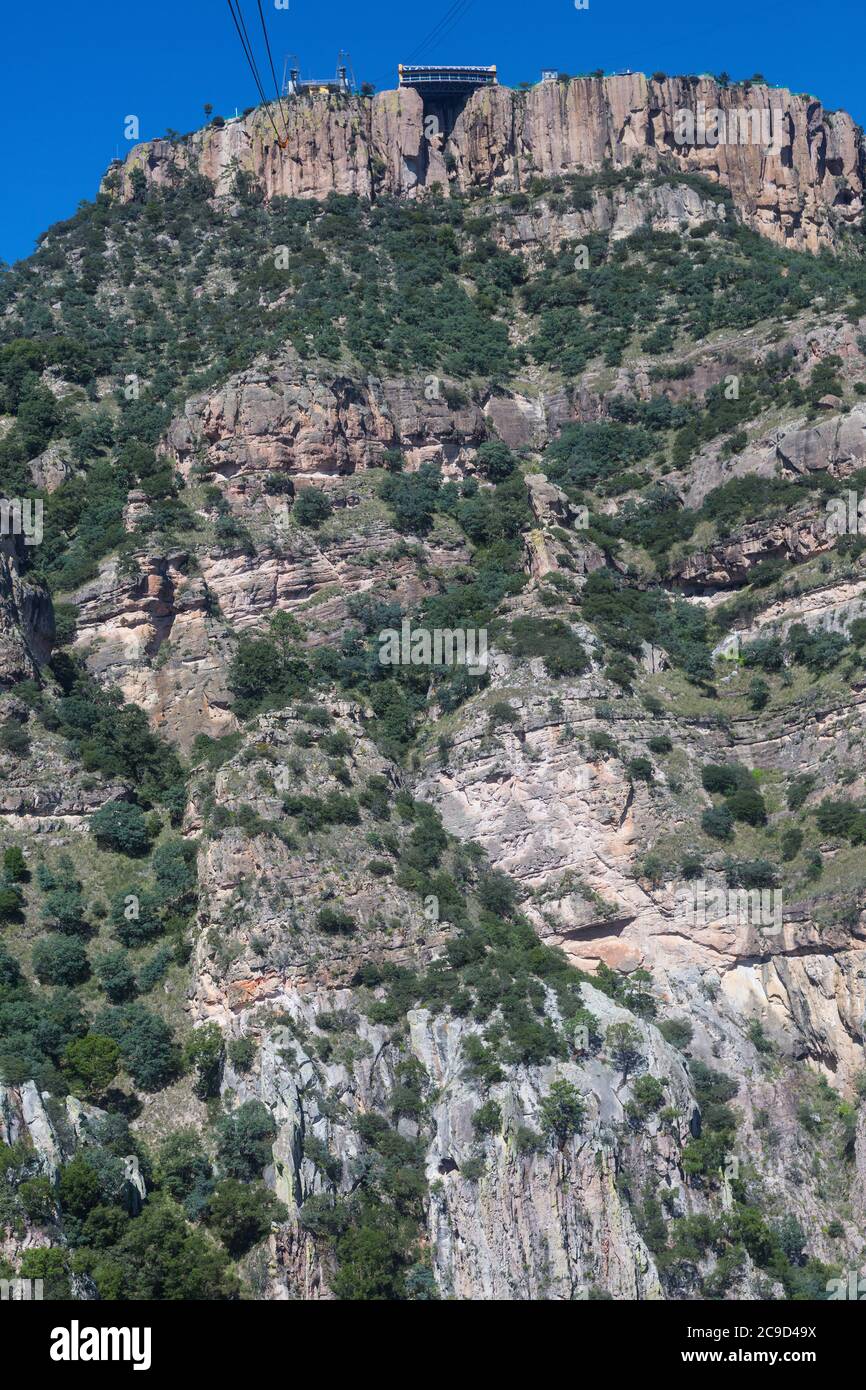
640 769
11 902
562 1112
337 744
160 1258
413 498
495 461
799 790
312 507
205 1052
116 976
841 818
244 1140
15 865
723 778
240 1214
624 1043
135 918
677 1031
501 712
14 740
759 693
527 1141
241 1053
183 1167
765 652
621 671
51 1265
601 742
154 969
335 920
63 911
497 893
92 1063
747 804
145 1041
551 639
648 1093
819 651
751 873
487 1118
121 826
279 485
173 865
660 744
60 960
718 822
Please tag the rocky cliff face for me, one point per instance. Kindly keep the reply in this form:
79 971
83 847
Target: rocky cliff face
26 617
383 858
541 1226
564 823
503 1223
801 188
49 1133
314 424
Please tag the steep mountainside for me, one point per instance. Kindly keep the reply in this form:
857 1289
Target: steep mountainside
331 967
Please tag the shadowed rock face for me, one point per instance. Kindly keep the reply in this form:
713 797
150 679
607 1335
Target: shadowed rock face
26 618
800 190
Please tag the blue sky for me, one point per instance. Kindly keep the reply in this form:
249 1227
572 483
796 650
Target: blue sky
74 73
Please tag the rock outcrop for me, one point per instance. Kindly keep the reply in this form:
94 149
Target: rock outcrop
730 562
837 445
795 171
319 425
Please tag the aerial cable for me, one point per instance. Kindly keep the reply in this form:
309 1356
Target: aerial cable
454 13
248 45
451 14
273 70
456 20
245 44
434 32
240 25
248 53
